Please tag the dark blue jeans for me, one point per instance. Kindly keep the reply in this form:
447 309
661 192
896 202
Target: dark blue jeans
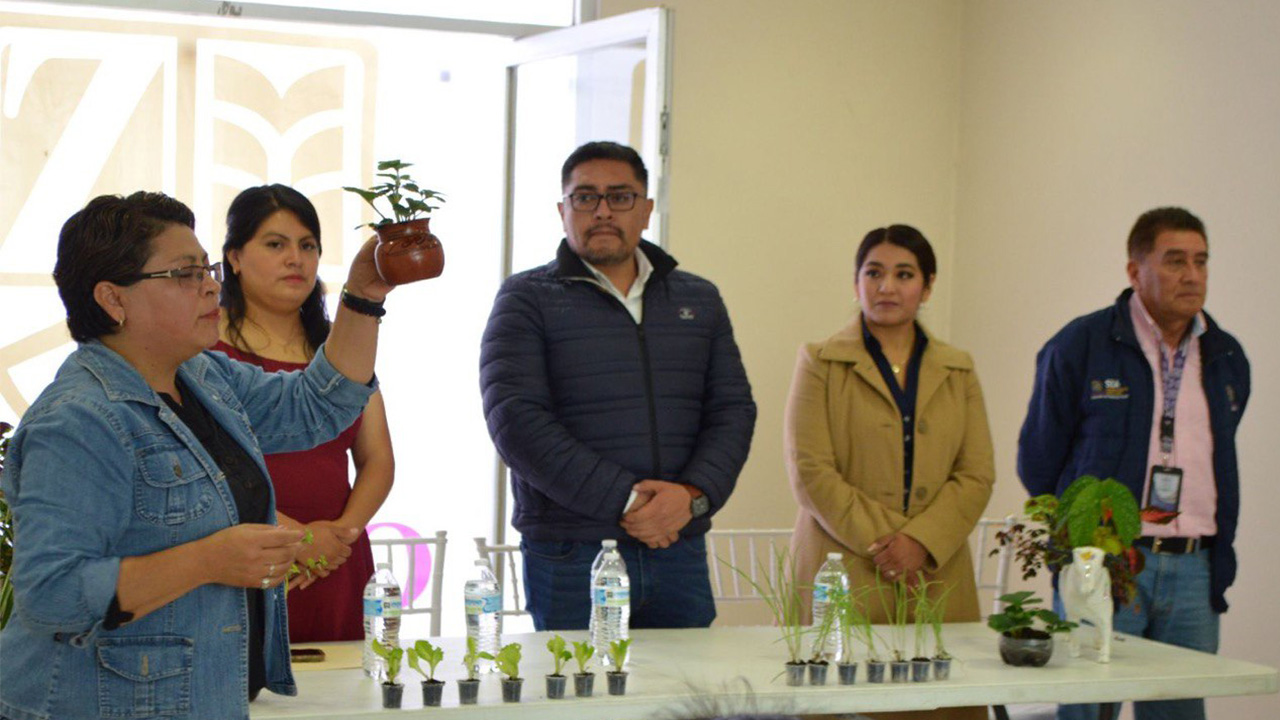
669 587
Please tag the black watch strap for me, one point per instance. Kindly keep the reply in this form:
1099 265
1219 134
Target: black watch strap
362 305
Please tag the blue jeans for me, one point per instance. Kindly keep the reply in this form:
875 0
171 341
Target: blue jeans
670 587
1172 606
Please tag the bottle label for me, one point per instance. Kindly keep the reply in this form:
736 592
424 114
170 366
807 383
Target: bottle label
821 592
382 607
477 605
611 596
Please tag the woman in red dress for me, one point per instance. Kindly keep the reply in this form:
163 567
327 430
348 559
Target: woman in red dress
274 316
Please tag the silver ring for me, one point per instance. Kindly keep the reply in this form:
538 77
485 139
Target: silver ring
266 583
271 569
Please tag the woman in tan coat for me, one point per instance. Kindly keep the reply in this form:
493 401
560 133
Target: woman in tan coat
886 440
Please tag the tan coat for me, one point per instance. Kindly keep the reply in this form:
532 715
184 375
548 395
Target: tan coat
843 446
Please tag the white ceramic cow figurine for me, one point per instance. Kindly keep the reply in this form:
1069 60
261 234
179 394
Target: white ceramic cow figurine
1086 594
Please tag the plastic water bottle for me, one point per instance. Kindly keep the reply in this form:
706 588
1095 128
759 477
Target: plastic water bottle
381 618
831 577
484 606
610 601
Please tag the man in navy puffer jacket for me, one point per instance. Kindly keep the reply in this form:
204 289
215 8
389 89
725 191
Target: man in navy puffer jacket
614 391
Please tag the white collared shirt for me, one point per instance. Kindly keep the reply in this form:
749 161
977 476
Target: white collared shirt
633 301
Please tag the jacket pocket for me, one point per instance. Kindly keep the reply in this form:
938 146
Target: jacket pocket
144 677
174 489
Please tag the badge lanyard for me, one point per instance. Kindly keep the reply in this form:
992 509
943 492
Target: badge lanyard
1171 383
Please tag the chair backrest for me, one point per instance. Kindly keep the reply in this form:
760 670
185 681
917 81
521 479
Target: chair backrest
435 555
751 551
991 572
502 558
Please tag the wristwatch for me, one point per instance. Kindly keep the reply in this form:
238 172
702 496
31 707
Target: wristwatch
699 506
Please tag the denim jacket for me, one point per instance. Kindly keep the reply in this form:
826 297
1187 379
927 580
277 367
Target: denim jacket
101 469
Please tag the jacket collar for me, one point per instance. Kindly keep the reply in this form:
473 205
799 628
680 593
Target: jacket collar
569 266
121 381
1212 341
938 361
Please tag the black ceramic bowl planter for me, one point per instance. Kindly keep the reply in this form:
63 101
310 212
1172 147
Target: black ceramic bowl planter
555 686
468 690
392 695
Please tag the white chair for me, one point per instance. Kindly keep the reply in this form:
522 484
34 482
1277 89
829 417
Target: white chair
496 554
750 551
411 547
991 573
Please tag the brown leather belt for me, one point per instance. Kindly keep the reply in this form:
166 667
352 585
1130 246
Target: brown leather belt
1174 545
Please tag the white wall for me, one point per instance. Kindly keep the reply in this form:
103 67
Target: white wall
1076 117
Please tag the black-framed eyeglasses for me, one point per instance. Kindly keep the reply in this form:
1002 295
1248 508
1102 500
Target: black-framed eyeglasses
190 276
585 201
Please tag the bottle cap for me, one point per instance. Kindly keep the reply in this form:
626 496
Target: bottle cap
609 543
835 556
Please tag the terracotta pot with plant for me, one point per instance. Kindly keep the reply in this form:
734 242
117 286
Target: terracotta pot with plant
407 250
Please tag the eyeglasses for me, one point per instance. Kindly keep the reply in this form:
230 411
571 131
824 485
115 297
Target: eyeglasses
618 200
191 276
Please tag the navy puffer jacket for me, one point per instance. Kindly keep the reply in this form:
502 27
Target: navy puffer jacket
582 402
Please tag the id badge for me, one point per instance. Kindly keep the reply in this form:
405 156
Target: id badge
1164 492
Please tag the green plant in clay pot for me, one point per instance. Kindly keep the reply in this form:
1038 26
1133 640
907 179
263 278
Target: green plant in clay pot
392 691
424 652
407 250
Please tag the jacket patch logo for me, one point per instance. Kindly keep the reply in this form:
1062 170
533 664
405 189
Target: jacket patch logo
1109 389
686 313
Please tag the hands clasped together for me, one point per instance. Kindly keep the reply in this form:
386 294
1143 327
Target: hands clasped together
899 556
660 511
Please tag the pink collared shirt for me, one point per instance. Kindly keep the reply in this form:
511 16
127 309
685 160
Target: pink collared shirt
1192 438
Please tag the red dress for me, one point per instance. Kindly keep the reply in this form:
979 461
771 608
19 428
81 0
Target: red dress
313 485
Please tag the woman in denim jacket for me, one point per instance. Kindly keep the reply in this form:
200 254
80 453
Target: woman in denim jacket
148 570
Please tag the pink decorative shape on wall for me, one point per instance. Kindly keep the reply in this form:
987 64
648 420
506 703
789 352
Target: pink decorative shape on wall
422 558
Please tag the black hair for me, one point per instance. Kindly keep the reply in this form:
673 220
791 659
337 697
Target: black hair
1142 238
604 150
245 215
109 240
906 237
